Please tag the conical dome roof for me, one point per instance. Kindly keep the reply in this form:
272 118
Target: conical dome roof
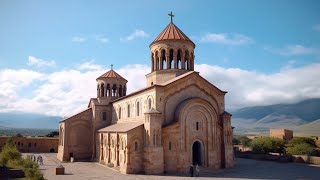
172 32
111 74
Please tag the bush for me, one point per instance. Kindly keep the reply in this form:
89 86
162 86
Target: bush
10 157
9 152
267 144
245 141
53 134
301 140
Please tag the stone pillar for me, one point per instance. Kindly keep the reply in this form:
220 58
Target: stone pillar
168 62
175 62
152 64
161 63
227 140
183 63
153 162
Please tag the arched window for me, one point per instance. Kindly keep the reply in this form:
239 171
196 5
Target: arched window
128 110
135 146
114 90
124 90
102 90
187 62
179 59
138 108
197 126
108 93
119 113
171 59
120 91
163 59
170 145
104 116
149 104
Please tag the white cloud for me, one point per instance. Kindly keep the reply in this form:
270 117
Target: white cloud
12 81
68 91
134 35
33 61
250 88
291 50
103 39
78 39
317 27
89 66
228 39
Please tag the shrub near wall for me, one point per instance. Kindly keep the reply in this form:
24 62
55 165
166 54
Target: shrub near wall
10 158
302 146
266 145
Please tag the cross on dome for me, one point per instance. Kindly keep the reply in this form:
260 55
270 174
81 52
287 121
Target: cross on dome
171 16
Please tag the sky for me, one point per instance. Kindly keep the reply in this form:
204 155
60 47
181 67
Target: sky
51 52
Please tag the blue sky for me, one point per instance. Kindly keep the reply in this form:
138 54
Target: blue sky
45 38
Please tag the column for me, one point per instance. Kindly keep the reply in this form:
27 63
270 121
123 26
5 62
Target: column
168 62
152 64
183 62
161 63
175 61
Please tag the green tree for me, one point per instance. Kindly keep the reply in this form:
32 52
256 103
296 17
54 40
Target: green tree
9 153
302 146
52 134
300 140
236 141
244 141
267 144
18 135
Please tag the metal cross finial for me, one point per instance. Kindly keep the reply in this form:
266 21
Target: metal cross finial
111 66
171 16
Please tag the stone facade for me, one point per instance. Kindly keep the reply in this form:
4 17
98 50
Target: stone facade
179 119
32 144
284 134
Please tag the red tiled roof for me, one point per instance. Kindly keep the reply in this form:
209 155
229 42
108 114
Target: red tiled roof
172 32
111 74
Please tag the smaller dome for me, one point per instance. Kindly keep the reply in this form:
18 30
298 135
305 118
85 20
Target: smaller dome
111 74
172 32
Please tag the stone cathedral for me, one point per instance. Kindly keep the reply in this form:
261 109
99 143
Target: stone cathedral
178 119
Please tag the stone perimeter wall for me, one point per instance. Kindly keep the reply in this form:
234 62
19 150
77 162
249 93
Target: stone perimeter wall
32 144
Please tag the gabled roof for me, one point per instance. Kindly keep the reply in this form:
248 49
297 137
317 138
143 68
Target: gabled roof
167 83
121 127
74 115
111 74
172 32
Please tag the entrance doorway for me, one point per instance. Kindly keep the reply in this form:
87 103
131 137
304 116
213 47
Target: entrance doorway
196 153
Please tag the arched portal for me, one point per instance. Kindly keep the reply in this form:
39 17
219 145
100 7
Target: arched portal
196 153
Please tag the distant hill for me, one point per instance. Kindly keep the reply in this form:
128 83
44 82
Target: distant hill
312 128
300 117
308 110
28 120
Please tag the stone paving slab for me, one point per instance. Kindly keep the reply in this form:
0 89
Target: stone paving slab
244 169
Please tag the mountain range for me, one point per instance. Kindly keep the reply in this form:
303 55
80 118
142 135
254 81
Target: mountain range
302 117
28 120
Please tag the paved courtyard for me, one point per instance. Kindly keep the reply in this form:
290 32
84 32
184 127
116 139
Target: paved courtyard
244 169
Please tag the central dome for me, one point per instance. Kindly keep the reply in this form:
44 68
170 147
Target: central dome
172 32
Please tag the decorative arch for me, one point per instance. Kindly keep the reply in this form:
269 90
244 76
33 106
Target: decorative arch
184 111
149 101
